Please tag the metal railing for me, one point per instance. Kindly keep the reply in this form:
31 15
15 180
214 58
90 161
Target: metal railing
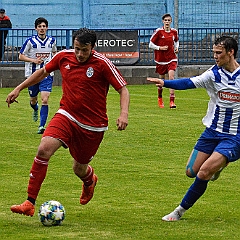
195 43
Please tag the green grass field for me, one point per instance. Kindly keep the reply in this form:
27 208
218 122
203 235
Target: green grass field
141 174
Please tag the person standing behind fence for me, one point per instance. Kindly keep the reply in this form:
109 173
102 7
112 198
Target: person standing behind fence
5 22
36 52
165 43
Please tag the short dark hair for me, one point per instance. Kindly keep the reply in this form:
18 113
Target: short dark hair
166 15
40 20
228 43
85 36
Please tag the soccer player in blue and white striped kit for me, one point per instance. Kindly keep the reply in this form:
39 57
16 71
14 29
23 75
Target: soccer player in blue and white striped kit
219 144
36 51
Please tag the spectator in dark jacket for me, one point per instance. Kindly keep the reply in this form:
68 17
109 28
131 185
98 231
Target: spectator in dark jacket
5 22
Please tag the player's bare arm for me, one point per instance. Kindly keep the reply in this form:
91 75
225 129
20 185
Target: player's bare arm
159 82
122 121
24 58
156 47
33 79
163 48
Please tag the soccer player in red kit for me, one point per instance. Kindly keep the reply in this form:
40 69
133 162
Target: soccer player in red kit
81 120
165 43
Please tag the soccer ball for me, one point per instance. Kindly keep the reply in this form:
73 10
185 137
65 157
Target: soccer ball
51 213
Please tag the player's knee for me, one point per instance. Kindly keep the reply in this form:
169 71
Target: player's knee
206 173
45 151
190 173
33 101
189 168
45 101
79 169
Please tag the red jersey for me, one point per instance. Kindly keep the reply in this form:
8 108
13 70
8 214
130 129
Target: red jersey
85 86
160 38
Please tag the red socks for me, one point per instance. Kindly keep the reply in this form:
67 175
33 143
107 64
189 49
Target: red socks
172 97
87 179
37 176
38 173
160 90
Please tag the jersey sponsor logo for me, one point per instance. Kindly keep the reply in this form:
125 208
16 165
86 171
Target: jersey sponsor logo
43 56
233 97
90 72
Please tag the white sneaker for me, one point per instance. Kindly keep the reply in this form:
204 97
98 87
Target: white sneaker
173 216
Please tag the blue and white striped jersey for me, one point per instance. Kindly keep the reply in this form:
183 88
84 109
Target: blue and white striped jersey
223 88
35 47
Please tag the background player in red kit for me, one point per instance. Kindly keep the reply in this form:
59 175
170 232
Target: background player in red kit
165 43
80 122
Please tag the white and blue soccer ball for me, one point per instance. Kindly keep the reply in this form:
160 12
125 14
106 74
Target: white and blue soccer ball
51 213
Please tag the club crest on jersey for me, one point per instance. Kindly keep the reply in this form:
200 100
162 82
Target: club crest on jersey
90 72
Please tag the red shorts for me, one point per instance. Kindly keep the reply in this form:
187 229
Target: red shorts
82 143
164 69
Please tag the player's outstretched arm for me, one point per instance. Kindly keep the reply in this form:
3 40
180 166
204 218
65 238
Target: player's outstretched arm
178 84
33 79
122 121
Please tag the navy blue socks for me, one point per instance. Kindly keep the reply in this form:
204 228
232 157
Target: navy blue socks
43 115
195 191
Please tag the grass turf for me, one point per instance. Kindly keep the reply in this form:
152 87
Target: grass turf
141 174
